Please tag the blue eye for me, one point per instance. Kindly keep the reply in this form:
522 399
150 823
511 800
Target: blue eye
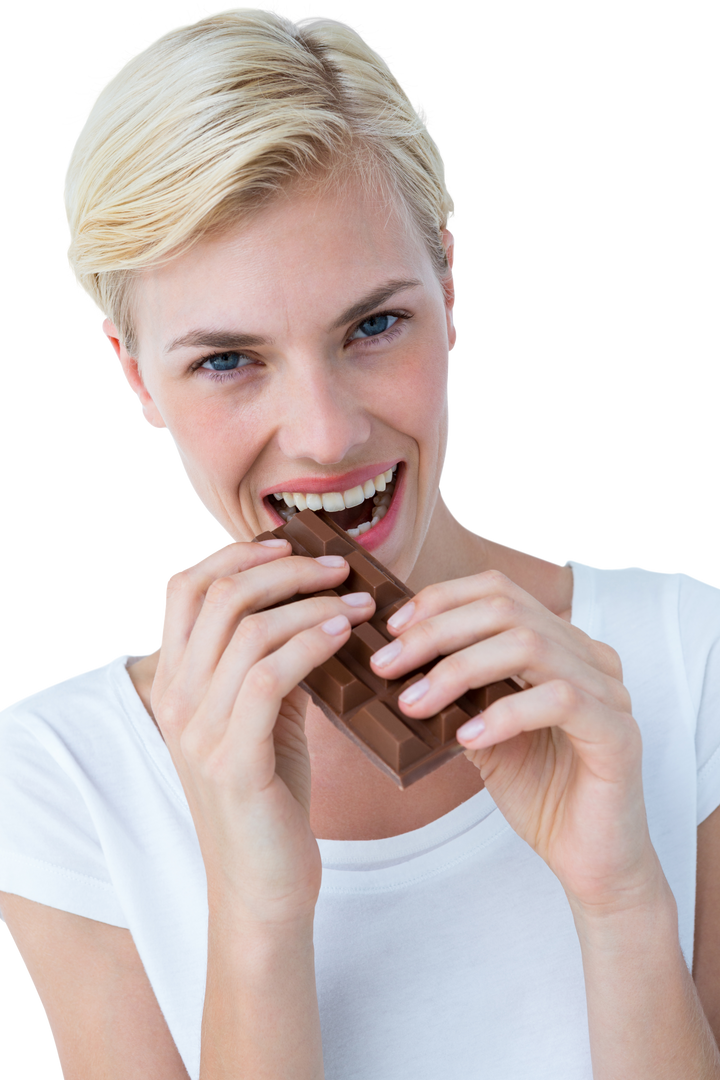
376 324
226 365
226 361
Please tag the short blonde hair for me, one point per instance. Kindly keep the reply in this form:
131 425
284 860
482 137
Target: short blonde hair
213 120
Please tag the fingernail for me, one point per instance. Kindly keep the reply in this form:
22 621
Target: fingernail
273 543
387 654
402 616
415 692
356 599
331 560
471 729
336 625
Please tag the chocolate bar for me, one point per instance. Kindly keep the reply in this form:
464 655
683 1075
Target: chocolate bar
362 704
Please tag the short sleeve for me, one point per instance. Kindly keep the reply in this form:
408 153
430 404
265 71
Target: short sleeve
699 619
49 848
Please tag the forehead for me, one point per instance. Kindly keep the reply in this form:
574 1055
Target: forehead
305 256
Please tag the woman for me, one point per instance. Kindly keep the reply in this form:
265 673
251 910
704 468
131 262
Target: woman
262 218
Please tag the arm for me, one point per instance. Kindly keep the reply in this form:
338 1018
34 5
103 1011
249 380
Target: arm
562 761
706 966
104 1016
646 1018
261 1006
226 700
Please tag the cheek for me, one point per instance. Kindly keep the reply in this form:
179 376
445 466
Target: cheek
215 443
415 393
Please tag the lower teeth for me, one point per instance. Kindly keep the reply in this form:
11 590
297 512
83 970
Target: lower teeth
379 512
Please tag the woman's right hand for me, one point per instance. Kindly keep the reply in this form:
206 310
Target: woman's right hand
227 702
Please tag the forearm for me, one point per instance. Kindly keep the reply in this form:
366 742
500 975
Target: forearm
261 1018
644 1015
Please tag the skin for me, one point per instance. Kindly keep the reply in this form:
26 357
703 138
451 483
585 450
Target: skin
566 755
561 760
310 403
340 409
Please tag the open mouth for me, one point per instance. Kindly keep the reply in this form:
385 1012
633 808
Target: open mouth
356 510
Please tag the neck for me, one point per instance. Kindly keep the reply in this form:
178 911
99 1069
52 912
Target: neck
449 551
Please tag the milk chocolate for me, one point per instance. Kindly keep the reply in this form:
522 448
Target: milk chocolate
362 704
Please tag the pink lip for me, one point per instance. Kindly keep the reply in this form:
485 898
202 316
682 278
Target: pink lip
376 536
379 533
318 484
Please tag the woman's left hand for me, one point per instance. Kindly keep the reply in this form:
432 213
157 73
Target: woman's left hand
562 759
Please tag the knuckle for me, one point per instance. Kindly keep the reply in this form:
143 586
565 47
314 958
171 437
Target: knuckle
179 583
221 591
169 715
610 660
423 633
171 712
319 607
454 667
253 630
607 658
502 605
189 743
623 701
185 576
566 696
495 580
307 645
261 680
429 598
530 642
627 736
634 735
425 592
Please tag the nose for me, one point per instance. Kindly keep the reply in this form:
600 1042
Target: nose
321 418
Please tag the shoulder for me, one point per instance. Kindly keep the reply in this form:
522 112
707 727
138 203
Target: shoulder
83 719
88 684
698 612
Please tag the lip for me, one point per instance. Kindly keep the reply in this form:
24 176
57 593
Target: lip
374 537
309 485
379 533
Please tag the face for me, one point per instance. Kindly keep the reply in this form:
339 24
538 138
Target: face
305 353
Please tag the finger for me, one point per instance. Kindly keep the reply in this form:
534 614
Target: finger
256 636
600 735
475 621
445 595
227 599
248 745
499 597
186 592
520 651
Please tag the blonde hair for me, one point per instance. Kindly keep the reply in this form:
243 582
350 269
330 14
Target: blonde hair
213 120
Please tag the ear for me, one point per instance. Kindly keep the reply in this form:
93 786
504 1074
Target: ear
448 285
133 376
449 244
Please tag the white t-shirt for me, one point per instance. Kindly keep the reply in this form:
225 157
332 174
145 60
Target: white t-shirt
448 951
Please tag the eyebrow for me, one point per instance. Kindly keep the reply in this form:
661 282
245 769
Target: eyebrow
228 340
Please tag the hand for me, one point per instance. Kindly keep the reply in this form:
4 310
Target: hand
227 702
562 759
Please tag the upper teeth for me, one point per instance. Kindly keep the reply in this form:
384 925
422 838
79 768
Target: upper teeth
332 501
